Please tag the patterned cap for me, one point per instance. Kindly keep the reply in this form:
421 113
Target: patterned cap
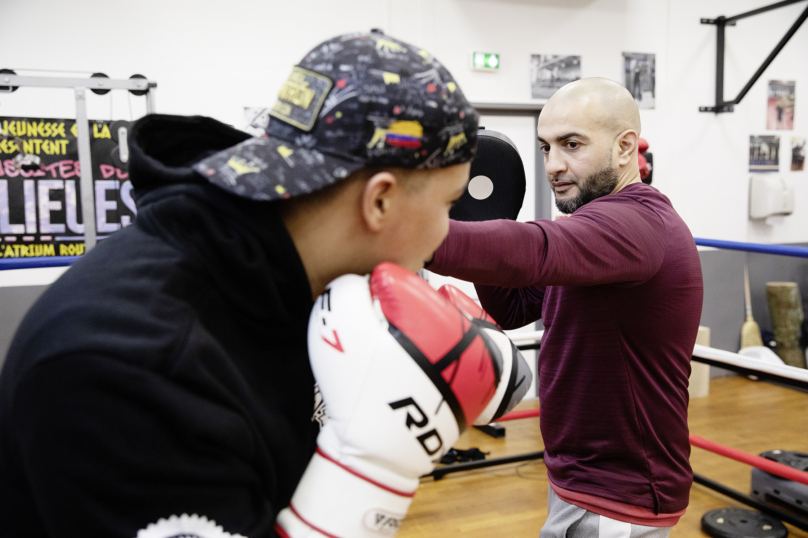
356 100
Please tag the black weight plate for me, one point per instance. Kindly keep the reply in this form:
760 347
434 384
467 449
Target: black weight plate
797 460
116 158
96 90
116 125
138 92
8 88
741 523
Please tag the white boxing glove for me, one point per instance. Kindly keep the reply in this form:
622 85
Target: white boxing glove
402 373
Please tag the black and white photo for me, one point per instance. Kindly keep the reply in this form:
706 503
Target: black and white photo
548 72
639 77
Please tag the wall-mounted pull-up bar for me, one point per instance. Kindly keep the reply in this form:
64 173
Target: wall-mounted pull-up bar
721 23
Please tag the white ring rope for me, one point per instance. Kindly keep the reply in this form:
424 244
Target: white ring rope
526 338
705 352
733 359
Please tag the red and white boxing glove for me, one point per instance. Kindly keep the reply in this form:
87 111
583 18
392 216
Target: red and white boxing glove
516 375
402 372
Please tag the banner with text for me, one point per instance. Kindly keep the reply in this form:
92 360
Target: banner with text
40 202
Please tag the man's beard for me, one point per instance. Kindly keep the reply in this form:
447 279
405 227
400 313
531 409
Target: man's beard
595 185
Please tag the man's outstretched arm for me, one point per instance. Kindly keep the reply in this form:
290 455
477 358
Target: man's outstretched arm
609 240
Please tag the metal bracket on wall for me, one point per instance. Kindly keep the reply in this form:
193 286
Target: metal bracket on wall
721 23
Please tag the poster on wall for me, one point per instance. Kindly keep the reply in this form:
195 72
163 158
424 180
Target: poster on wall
780 107
548 72
40 186
639 76
797 154
256 119
764 153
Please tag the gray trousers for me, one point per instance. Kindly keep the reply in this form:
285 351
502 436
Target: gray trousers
566 520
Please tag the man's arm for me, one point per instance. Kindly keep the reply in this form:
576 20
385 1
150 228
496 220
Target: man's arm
107 449
512 308
609 240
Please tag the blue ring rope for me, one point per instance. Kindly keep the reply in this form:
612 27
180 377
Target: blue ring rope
36 263
780 250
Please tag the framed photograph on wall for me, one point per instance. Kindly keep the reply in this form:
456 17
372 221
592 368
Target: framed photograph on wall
548 72
797 154
639 77
764 153
780 106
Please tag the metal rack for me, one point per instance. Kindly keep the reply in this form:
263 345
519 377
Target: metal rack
138 86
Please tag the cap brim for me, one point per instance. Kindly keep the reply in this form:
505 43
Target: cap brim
273 169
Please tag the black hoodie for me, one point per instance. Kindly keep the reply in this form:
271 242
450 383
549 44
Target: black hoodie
166 372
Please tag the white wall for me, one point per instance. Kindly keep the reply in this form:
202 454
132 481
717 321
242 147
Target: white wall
705 157
208 57
214 58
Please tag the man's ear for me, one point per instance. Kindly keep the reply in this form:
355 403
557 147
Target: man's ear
627 143
377 200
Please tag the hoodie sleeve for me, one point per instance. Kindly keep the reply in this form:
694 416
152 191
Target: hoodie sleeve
108 449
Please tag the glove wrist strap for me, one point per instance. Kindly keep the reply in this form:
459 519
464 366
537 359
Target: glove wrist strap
336 501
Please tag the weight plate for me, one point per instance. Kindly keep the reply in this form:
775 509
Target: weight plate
8 88
96 90
138 92
740 523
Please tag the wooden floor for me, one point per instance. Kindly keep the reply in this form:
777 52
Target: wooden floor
510 500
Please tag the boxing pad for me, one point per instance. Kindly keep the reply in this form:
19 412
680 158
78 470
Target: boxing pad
402 372
496 189
516 374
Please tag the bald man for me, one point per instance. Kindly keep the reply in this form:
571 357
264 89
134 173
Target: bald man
618 286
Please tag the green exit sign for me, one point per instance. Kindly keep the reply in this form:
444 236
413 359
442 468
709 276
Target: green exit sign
485 61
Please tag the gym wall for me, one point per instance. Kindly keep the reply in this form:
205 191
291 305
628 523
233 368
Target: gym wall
213 59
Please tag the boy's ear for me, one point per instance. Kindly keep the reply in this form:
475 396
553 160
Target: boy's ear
377 200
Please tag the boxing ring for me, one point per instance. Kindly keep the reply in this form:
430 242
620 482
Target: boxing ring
789 376
783 375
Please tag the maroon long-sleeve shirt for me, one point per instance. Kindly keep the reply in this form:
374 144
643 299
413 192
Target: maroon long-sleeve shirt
619 289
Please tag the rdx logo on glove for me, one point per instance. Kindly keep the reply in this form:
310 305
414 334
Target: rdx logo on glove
383 522
430 441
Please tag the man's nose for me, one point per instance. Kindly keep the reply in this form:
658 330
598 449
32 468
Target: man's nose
553 163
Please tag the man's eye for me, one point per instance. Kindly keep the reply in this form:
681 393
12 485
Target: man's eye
572 145
545 149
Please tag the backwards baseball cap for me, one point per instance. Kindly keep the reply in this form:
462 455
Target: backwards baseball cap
354 101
